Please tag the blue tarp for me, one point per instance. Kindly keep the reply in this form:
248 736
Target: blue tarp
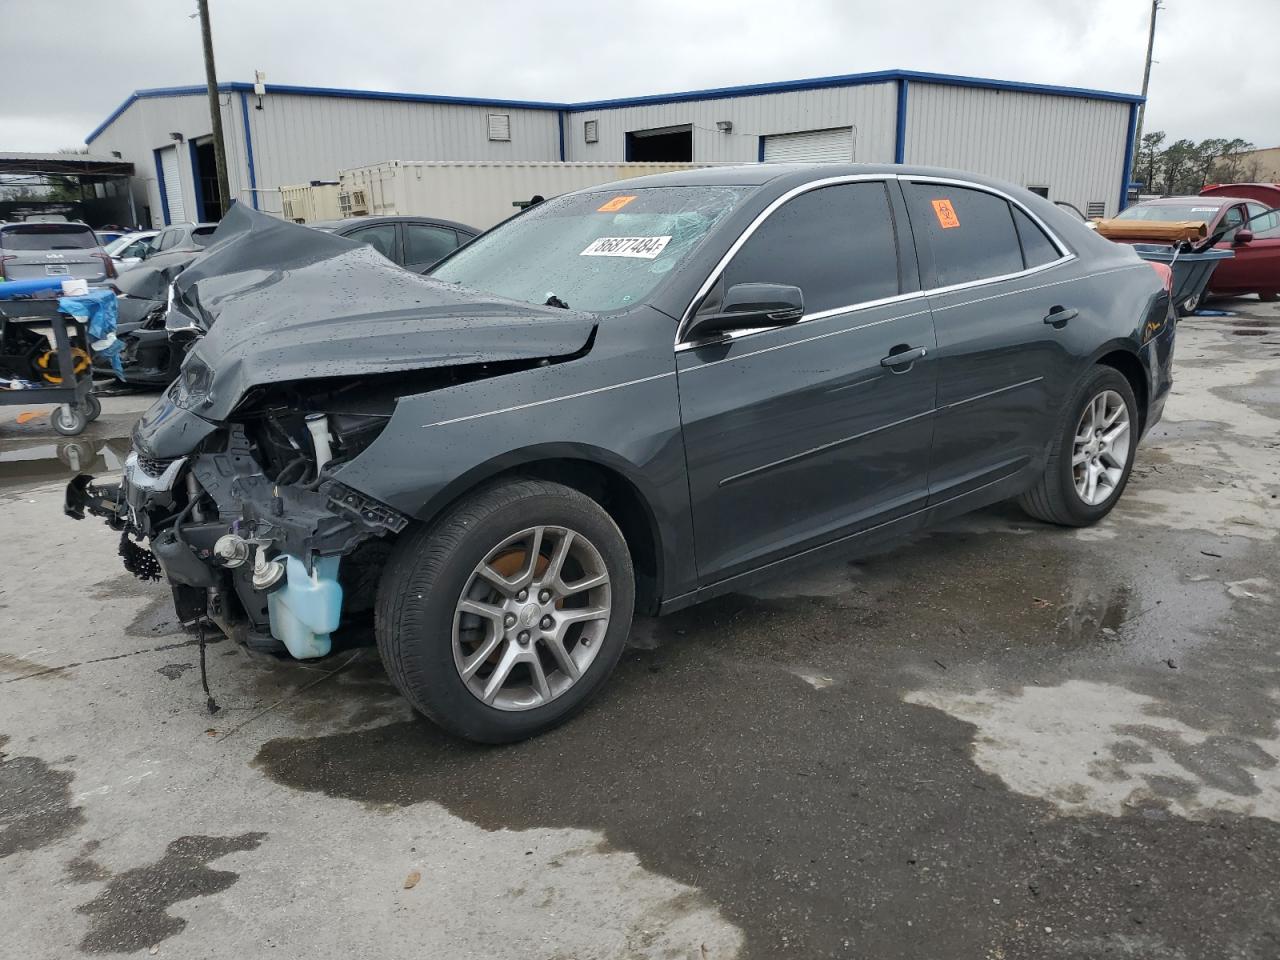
97 311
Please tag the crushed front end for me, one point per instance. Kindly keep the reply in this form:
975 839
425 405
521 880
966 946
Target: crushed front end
243 517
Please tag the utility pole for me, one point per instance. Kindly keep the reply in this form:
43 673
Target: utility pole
1146 76
215 111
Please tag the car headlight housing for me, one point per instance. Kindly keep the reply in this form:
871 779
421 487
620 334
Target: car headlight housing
195 384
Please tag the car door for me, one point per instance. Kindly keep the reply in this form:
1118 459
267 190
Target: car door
1255 268
797 435
381 236
425 244
992 275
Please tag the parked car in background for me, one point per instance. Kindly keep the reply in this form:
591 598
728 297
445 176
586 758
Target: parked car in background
414 243
1221 215
637 396
1267 194
131 248
37 250
1255 268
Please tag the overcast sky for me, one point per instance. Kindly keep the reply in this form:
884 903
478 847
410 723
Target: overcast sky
66 64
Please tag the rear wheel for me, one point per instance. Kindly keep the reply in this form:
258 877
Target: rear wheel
1190 305
504 617
1089 465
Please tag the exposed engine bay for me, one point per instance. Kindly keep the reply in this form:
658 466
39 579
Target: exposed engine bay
235 481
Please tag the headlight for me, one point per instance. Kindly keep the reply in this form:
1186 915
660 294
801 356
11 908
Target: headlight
195 384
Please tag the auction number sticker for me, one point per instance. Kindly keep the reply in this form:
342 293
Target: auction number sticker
1204 209
946 214
614 205
645 248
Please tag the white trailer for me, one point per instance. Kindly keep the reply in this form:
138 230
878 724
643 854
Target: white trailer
310 202
479 193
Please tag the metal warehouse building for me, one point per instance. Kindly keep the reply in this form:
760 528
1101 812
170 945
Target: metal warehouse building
1069 144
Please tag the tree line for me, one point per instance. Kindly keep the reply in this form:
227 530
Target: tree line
1184 166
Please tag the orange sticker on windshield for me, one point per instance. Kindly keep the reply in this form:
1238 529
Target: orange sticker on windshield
612 206
946 214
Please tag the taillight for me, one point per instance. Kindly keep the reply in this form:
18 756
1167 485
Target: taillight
109 264
3 260
1166 274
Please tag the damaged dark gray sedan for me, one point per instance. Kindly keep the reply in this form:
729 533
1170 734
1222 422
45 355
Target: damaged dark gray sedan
629 398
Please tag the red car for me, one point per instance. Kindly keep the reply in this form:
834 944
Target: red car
1253 232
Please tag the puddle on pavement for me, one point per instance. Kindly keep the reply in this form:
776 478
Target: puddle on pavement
50 460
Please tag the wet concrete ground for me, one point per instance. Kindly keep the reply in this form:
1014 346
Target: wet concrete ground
999 740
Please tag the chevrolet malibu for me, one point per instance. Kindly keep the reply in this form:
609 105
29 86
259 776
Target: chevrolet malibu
630 398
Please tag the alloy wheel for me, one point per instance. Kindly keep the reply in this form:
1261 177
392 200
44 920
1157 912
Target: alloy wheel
532 617
1101 447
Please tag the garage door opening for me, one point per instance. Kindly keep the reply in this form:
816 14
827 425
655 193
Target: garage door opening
809 146
205 170
663 145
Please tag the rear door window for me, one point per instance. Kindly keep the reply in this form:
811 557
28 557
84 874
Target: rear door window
1037 248
1265 225
424 244
201 236
382 237
48 236
970 232
835 243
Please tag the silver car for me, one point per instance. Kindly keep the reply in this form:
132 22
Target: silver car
56 251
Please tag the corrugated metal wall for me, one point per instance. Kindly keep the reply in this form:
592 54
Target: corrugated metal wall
146 126
1071 145
870 108
301 138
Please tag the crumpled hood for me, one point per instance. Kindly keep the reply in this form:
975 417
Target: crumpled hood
286 302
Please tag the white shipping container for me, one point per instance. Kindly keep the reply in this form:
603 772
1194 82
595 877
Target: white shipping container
310 202
477 193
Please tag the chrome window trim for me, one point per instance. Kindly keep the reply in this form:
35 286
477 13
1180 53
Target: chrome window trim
540 403
681 344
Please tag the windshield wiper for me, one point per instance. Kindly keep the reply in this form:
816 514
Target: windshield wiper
554 301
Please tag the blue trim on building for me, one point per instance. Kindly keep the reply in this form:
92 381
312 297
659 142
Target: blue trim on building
855 80
715 93
248 148
195 179
164 197
1128 157
560 121
900 129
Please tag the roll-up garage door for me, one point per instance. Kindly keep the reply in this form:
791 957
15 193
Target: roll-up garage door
810 146
172 185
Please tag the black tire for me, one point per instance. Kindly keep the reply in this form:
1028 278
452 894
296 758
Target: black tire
426 574
1190 305
92 407
1271 296
68 421
1054 499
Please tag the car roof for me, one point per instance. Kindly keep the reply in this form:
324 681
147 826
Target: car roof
333 226
788 174
1183 201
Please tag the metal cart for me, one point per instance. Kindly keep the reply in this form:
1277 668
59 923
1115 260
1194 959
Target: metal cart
66 386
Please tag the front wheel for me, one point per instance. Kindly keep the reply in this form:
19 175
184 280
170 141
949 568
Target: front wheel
1090 461
500 620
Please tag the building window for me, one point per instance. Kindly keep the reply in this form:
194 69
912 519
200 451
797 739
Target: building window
499 126
591 131
1039 191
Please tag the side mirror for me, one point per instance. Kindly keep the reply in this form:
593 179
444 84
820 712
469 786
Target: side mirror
747 306
1242 236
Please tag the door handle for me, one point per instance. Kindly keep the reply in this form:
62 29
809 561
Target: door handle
1059 315
903 358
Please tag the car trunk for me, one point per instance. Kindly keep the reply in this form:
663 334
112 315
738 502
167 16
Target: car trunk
39 250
